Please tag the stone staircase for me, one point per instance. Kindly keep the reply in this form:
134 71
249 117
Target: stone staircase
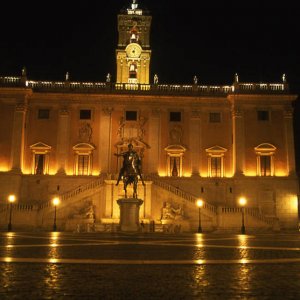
209 209
76 194
217 212
211 214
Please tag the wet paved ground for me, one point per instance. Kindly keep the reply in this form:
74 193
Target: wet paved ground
152 266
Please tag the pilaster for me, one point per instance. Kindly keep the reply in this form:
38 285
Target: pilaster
154 141
238 137
105 140
17 149
289 140
63 138
195 133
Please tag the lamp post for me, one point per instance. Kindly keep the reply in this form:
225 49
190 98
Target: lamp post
200 204
11 200
242 202
55 202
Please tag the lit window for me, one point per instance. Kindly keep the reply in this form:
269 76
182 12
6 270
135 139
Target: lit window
174 165
83 158
175 116
132 71
175 160
215 117
265 159
216 161
216 166
83 164
40 158
39 164
265 165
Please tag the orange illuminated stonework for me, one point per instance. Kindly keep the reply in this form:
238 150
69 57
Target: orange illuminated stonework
216 143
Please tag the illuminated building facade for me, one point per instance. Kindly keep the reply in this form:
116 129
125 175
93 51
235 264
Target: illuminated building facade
217 143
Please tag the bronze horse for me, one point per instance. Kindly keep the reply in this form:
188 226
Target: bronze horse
131 170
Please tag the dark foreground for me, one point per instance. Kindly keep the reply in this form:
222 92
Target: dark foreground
106 266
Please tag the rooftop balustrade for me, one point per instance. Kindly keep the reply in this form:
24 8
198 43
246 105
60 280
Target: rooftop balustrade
161 89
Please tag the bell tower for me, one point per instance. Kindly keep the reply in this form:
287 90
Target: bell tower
133 52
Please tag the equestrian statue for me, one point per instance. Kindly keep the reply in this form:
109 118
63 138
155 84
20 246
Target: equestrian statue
130 170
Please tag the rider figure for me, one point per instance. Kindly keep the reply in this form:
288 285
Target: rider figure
130 158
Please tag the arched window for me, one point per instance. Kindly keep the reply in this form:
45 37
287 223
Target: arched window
134 36
132 71
265 159
216 161
83 159
40 158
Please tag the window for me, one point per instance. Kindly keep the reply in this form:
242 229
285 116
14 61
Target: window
215 117
85 114
39 164
216 161
174 165
265 165
40 158
175 116
262 115
131 115
265 159
43 113
83 158
216 166
132 71
175 160
83 164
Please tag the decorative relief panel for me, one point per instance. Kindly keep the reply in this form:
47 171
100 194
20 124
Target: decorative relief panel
132 131
85 133
107 111
175 135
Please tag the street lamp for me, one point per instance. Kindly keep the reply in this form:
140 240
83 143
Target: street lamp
200 204
242 202
55 202
11 200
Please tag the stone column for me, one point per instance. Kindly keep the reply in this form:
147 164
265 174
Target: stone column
238 134
154 142
63 140
195 142
289 140
17 147
105 140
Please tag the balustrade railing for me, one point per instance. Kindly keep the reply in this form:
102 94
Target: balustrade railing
10 81
105 87
180 193
252 211
64 198
266 87
18 206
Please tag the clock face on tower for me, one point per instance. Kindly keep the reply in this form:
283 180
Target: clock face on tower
133 50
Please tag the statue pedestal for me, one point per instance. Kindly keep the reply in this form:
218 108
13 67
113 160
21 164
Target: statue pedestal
129 214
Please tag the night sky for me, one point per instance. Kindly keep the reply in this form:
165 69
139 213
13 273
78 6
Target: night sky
213 39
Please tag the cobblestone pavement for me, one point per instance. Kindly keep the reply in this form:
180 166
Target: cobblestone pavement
150 266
